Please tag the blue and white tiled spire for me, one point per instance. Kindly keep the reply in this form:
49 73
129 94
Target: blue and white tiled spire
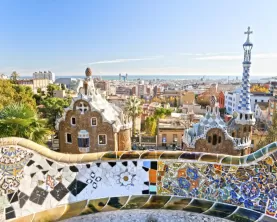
244 108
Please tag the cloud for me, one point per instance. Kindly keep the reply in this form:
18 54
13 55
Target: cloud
237 57
208 54
125 60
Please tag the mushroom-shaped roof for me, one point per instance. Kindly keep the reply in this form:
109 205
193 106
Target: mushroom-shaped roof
88 72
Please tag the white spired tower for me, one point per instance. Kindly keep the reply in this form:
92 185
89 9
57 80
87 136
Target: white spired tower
245 118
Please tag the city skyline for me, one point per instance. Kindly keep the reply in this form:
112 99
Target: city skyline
138 38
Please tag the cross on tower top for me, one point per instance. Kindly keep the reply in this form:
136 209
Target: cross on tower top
248 32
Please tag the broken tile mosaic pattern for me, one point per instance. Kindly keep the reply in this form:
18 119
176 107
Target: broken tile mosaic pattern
36 186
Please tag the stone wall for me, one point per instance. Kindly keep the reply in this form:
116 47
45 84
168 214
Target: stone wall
83 122
222 145
39 184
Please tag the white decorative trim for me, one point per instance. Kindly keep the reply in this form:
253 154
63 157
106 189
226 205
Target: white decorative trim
71 121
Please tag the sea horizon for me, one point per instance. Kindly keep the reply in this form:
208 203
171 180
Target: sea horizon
162 77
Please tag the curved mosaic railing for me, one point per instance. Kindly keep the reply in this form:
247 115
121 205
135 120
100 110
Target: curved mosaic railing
37 183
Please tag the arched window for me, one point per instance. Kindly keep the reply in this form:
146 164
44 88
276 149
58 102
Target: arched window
73 121
240 116
233 134
214 139
244 129
246 116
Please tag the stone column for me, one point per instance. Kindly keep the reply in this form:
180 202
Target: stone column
124 140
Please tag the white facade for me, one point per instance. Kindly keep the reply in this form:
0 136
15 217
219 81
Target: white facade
44 75
259 97
261 112
232 100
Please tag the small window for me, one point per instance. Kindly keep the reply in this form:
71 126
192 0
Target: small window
93 121
68 138
219 139
209 139
175 138
73 121
244 129
246 116
102 140
233 134
214 139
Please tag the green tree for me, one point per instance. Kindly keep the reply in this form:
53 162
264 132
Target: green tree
14 77
39 90
24 95
175 102
51 88
151 125
133 110
162 113
152 121
7 93
21 121
52 108
63 86
38 99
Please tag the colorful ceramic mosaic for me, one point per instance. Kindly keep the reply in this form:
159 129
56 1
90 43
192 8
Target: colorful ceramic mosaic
236 188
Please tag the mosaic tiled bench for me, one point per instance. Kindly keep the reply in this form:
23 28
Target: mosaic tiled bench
37 183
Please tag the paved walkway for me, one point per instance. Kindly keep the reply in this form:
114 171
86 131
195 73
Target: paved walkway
146 216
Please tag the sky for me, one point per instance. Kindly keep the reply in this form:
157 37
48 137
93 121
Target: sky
138 37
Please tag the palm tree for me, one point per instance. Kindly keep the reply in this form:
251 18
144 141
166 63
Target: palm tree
14 77
21 121
133 110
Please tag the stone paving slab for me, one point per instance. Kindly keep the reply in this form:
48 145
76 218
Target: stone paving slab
146 216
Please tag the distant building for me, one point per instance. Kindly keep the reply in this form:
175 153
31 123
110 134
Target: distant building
272 86
71 83
123 90
92 124
221 100
34 84
272 108
59 93
232 100
102 85
261 114
118 100
171 130
44 75
141 90
187 98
